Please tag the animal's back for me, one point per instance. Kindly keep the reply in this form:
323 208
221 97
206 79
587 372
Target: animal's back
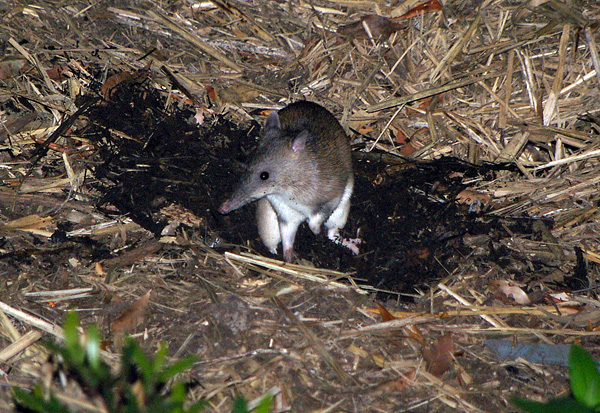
328 144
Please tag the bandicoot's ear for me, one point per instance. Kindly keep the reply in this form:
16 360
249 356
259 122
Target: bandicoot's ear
272 121
299 142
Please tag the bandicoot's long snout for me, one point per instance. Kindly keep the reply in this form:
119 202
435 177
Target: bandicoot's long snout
237 200
226 207
245 193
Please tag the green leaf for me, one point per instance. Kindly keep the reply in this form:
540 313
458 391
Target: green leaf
28 399
584 377
128 366
143 363
92 348
177 395
130 401
159 358
85 366
72 346
176 368
265 405
36 402
197 407
239 405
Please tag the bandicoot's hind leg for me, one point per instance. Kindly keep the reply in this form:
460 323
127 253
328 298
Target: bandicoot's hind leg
272 211
338 219
288 234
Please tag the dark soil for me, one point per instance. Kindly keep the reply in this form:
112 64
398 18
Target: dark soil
121 201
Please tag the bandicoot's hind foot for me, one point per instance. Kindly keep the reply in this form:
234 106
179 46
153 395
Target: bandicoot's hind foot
289 255
350 243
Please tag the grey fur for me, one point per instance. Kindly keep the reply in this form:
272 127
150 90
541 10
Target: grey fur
306 154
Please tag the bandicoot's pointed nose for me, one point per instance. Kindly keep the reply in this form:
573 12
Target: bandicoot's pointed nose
236 201
225 208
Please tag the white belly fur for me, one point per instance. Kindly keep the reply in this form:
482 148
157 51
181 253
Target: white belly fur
274 210
268 225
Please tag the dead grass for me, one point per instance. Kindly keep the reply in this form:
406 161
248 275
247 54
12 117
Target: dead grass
492 81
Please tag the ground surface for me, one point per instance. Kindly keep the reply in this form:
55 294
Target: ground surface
474 135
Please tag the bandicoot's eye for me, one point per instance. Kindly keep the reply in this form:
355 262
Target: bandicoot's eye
264 176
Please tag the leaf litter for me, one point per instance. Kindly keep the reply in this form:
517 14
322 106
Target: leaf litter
474 129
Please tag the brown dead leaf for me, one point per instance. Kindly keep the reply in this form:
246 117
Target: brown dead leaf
427 7
212 95
400 383
28 222
99 270
410 330
365 130
131 257
510 290
412 111
111 84
129 319
385 314
401 137
56 73
417 255
407 149
469 196
439 355
12 68
413 332
371 26
426 102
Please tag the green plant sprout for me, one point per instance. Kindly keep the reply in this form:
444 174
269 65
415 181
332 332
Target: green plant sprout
140 385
